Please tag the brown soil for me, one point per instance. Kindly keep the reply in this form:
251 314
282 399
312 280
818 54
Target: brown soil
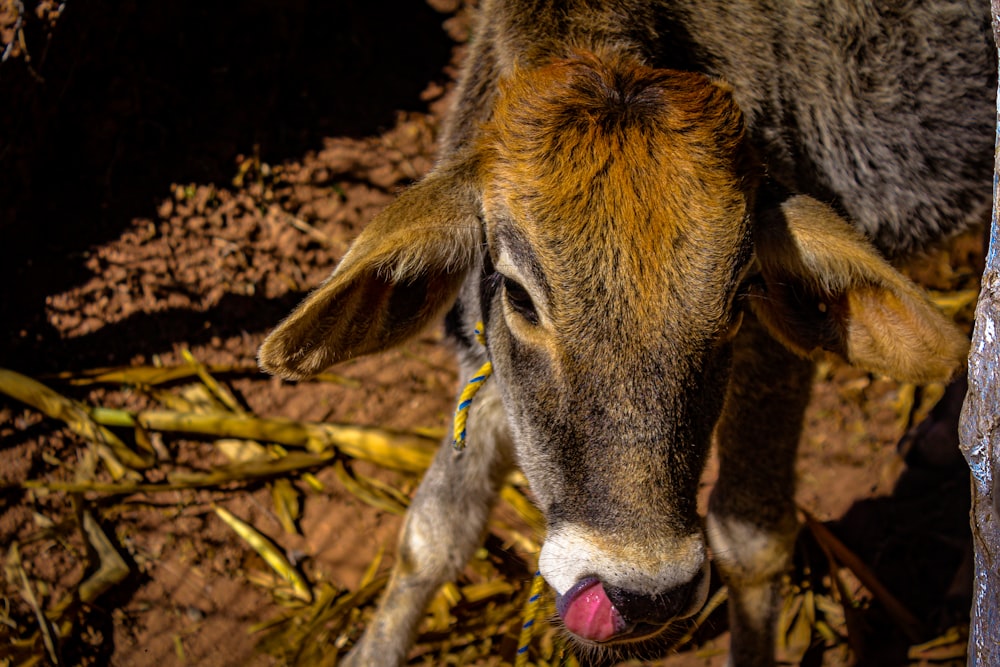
174 175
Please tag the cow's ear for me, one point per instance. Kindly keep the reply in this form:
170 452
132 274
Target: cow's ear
402 271
824 286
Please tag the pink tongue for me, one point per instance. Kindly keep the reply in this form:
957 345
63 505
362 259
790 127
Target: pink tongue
591 615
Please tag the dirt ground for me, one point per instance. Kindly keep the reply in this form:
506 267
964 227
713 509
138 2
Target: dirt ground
177 176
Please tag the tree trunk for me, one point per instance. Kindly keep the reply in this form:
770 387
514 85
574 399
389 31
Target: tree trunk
980 439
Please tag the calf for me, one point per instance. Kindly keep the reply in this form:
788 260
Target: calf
629 199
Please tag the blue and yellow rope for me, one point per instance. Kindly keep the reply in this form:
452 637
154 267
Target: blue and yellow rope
471 388
458 442
530 614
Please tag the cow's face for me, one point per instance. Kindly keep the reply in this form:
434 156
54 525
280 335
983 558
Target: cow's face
613 210
616 204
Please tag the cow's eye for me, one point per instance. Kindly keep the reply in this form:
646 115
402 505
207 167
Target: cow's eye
519 300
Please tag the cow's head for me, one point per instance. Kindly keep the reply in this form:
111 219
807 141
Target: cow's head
613 221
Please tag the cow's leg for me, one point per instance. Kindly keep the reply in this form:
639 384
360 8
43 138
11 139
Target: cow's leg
444 526
751 523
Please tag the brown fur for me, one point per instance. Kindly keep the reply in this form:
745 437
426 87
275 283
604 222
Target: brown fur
579 165
613 225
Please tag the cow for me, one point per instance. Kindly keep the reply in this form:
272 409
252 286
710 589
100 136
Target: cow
659 213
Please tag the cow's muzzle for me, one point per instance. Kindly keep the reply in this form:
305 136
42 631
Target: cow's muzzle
598 612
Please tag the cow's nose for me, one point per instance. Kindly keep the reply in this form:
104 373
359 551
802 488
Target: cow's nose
658 609
600 612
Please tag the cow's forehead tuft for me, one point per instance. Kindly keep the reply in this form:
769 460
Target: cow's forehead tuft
624 180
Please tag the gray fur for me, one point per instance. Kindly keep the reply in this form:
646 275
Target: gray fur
884 111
